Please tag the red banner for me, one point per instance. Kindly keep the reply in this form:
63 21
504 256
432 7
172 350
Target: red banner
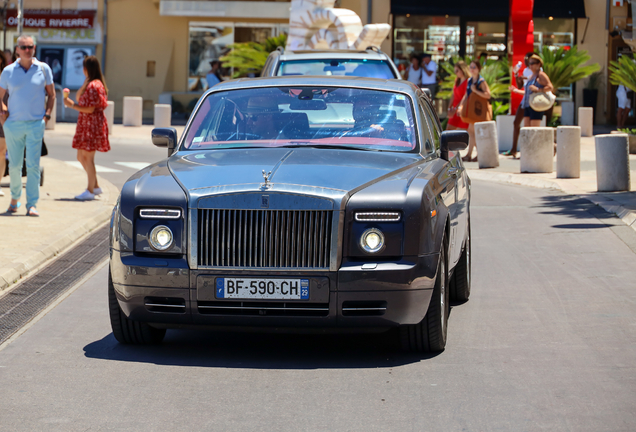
52 18
522 35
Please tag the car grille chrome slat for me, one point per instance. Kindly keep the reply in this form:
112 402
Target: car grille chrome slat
264 238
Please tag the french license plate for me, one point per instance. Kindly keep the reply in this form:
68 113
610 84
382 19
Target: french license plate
268 289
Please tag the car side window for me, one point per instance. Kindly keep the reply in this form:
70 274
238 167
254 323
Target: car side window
433 122
427 140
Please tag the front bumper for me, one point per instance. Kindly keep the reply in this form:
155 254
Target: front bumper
356 296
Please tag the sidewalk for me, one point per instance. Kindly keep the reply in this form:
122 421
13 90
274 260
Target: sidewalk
29 242
623 204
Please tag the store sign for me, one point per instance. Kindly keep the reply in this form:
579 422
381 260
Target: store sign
53 18
77 36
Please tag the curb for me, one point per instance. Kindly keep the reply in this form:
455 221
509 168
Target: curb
65 240
609 205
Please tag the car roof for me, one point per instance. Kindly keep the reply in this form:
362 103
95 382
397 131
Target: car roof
332 54
395 85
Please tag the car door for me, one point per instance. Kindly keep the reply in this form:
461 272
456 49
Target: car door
450 178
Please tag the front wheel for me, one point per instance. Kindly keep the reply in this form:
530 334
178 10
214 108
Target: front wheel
127 331
429 335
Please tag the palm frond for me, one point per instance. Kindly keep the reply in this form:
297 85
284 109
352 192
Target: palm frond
623 72
565 67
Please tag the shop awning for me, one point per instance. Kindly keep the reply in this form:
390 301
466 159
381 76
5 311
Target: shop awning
466 8
487 8
556 9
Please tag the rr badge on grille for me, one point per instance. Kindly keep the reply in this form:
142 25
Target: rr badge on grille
264 201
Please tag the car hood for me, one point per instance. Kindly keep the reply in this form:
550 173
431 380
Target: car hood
302 170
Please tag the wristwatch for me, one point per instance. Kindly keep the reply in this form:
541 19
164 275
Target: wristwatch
48 117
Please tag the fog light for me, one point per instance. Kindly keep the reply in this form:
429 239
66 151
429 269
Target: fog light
161 238
372 240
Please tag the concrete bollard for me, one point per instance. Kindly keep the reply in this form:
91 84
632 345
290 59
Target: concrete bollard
612 163
487 146
50 125
505 131
536 145
109 112
567 113
568 152
133 110
586 121
163 114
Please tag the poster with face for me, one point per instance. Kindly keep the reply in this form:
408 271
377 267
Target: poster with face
54 57
74 68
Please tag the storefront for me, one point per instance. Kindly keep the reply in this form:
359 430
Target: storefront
472 28
63 38
167 54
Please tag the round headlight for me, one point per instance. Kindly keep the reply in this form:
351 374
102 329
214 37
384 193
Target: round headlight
372 240
161 238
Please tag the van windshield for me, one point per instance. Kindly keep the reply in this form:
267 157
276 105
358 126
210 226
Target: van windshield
339 67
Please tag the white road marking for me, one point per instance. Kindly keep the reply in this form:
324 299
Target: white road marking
134 165
98 168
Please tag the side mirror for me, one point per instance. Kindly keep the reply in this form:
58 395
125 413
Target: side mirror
165 137
453 140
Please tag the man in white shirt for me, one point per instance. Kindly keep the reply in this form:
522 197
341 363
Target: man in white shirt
429 74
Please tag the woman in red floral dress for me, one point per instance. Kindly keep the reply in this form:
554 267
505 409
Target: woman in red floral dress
459 90
91 133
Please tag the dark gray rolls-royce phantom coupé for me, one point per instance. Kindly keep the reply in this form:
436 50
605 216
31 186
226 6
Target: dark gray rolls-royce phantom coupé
296 203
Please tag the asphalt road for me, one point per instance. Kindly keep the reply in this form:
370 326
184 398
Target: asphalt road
127 156
546 342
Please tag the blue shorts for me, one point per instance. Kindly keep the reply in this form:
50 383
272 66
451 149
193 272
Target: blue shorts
534 115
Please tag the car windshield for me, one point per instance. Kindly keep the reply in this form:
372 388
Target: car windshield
340 67
329 117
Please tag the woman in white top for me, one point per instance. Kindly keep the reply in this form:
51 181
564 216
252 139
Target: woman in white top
414 72
624 106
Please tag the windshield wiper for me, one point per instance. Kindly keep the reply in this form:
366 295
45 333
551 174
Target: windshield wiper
323 146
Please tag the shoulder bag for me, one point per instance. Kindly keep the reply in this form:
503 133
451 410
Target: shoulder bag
476 109
540 101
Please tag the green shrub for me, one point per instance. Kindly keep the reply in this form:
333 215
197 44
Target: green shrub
250 57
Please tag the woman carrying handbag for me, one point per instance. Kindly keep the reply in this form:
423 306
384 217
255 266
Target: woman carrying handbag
477 108
459 90
539 86
92 130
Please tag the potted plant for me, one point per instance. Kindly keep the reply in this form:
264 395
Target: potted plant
590 92
632 138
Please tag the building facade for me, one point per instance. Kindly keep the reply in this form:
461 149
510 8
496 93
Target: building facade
161 49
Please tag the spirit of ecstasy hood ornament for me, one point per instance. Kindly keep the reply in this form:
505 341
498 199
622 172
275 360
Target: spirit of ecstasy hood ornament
267 183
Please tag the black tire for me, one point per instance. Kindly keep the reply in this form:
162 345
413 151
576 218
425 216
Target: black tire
430 334
127 331
460 282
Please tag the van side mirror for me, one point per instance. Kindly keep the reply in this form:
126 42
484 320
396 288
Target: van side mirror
165 137
453 140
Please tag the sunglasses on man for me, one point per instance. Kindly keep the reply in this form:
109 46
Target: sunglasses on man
27 47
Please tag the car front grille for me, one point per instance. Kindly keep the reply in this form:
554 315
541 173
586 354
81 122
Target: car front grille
264 238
